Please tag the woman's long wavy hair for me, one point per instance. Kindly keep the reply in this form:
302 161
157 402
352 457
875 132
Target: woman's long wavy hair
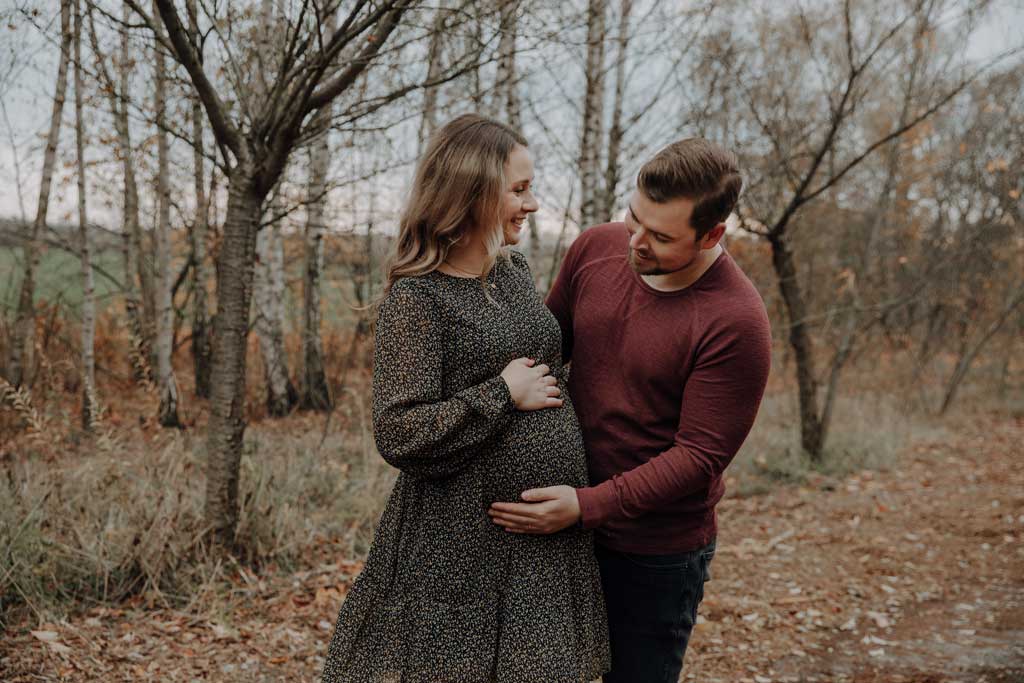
458 189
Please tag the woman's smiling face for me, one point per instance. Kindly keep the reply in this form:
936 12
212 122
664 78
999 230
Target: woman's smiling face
518 202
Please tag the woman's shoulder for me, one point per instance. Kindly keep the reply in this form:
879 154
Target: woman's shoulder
519 261
410 290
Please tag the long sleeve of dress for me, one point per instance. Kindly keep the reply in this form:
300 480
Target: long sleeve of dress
417 429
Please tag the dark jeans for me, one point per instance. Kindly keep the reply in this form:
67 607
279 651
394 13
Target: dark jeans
652 607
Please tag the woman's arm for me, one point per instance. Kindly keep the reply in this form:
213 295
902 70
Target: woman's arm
416 429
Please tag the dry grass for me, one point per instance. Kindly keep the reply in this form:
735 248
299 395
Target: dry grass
868 431
122 518
119 515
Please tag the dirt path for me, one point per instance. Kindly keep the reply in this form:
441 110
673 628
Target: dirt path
914 575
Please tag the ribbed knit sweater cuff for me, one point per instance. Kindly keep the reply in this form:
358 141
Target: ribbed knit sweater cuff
597 504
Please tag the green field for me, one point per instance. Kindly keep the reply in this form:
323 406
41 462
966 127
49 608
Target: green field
59 278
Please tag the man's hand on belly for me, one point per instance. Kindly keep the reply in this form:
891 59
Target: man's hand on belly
545 511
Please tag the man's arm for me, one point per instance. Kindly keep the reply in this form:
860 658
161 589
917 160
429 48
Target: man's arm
720 402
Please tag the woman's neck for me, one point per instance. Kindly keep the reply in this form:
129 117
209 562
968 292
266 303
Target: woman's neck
466 259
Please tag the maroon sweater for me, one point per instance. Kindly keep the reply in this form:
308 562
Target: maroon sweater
666 386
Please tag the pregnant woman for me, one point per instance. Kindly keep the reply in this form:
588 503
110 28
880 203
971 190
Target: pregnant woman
468 403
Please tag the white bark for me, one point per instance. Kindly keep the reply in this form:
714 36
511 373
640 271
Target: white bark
505 78
168 387
90 401
615 131
434 56
593 116
269 294
506 88
20 360
202 347
315 391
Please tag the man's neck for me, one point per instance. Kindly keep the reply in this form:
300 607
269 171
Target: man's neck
681 279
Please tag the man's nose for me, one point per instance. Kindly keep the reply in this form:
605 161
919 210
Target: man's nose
636 238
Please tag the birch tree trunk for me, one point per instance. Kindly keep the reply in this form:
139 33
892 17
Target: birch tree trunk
434 56
202 348
90 402
117 95
316 394
270 295
615 131
506 88
20 362
593 116
504 81
131 230
168 387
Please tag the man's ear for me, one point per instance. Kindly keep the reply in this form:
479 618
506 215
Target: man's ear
713 237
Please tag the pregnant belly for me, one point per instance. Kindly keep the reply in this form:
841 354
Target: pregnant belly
541 448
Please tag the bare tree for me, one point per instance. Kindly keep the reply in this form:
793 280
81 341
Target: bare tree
90 401
434 69
202 345
20 362
311 69
316 394
970 351
593 115
812 140
506 92
616 128
270 295
974 254
166 383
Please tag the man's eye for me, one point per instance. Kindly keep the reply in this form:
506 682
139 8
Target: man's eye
660 238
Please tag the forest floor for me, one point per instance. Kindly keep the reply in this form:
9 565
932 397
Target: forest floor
911 574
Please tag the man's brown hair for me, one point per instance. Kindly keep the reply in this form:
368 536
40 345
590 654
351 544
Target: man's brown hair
698 170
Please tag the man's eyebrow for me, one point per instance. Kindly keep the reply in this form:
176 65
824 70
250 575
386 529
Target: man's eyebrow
629 207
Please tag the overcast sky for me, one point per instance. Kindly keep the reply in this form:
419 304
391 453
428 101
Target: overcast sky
27 75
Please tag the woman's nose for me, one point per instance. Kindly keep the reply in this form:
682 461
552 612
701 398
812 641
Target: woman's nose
530 205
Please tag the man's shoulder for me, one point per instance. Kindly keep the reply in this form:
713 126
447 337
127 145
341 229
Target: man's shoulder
739 304
599 242
610 236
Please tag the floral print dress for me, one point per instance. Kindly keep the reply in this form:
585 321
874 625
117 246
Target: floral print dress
446 594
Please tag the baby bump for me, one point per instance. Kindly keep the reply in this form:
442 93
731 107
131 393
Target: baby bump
543 448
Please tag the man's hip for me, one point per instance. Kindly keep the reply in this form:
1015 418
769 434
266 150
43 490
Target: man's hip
652 608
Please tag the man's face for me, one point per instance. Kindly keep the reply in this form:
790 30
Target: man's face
661 239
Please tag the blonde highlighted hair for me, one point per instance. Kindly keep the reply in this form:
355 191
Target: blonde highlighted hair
458 188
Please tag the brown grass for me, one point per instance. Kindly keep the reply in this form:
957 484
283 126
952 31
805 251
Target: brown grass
118 515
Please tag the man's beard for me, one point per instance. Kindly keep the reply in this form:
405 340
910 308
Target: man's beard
647 266
651 265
